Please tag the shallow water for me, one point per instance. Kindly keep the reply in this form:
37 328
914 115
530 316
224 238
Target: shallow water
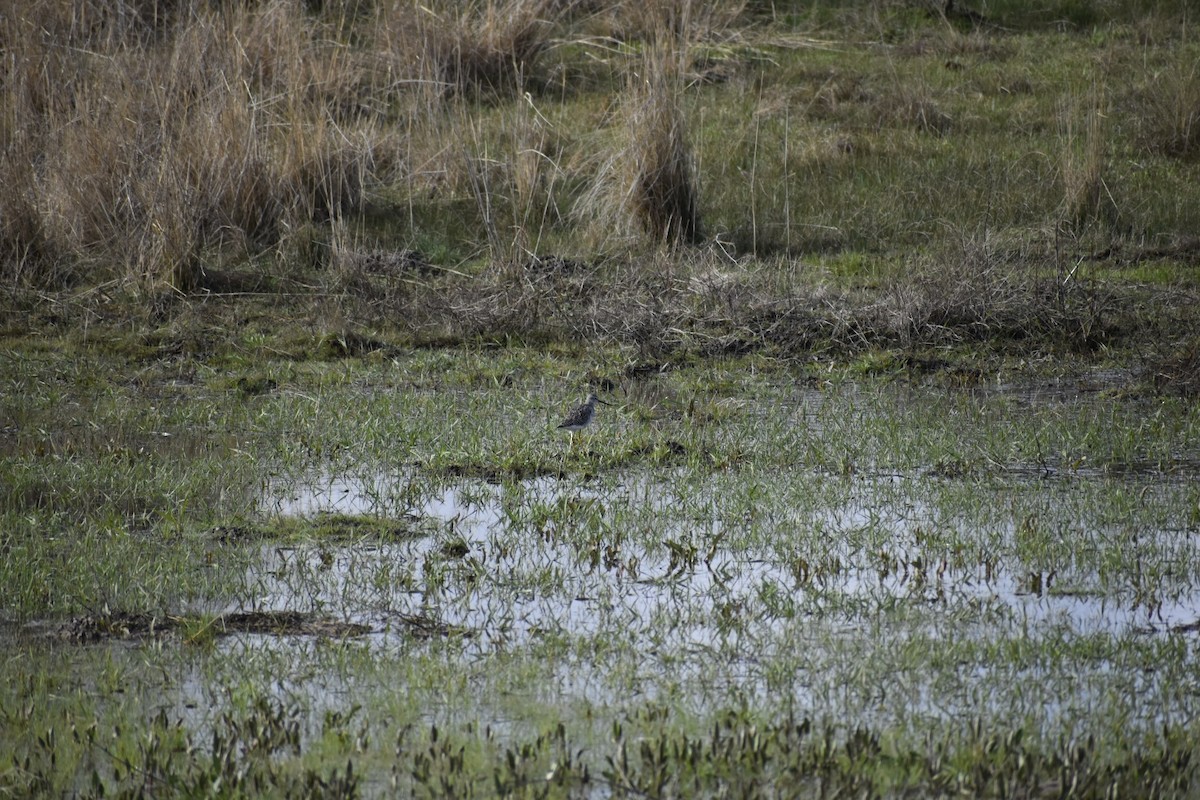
1029 573
780 607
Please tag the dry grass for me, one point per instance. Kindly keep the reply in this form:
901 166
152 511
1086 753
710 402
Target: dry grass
561 163
648 184
1086 195
1177 372
663 192
983 289
907 107
1170 110
144 147
644 20
487 48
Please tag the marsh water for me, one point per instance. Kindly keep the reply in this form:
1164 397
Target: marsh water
1027 592
898 558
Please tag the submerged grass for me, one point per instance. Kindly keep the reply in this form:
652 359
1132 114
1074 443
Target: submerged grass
741 576
741 756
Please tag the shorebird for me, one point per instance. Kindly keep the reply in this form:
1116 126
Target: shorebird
581 417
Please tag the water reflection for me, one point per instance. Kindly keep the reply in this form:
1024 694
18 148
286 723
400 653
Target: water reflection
863 597
513 579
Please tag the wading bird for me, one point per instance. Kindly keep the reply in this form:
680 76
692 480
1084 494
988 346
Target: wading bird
581 417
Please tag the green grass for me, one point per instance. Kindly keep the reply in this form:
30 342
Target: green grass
825 560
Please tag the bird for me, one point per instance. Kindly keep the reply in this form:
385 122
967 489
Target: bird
581 417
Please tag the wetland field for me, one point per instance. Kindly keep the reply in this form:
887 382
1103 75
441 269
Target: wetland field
893 307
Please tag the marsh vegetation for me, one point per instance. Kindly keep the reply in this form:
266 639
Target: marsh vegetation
894 304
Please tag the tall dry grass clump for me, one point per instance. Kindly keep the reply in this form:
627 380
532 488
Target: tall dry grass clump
450 62
663 192
474 48
649 184
1170 111
1084 135
144 143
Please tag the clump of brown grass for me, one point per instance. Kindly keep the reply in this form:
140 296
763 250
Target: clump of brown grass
951 42
1170 111
1086 195
914 108
445 56
487 47
984 289
662 194
970 293
24 244
518 197
201 129
649 183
